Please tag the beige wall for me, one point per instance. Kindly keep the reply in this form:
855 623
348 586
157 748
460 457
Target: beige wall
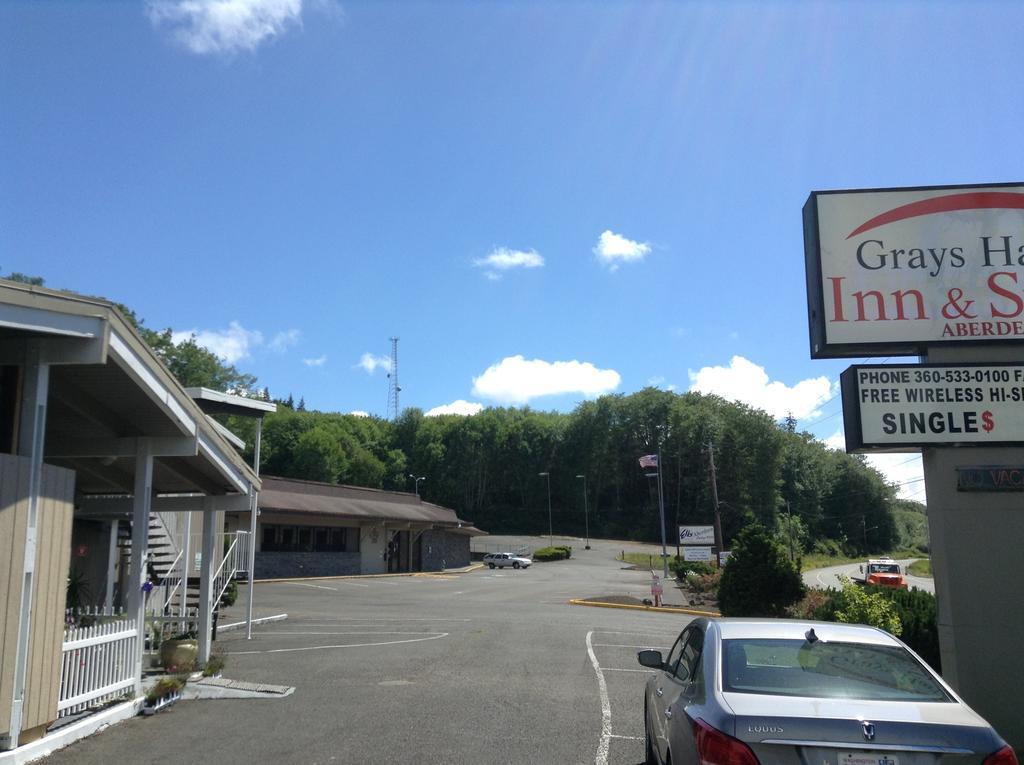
53 554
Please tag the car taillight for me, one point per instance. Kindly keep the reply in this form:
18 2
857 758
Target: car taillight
1004 756
717 748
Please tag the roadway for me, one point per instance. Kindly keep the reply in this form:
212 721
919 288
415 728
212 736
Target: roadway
829 577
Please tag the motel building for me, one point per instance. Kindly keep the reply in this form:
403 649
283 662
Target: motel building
126 510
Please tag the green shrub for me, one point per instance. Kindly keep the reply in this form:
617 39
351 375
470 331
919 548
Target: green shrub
560 552
681 568
230 594
918 613
760 580
705 583
916 610
862 606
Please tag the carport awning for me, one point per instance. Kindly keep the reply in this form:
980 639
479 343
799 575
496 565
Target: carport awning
351 502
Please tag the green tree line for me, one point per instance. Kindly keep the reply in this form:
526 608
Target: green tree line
487 466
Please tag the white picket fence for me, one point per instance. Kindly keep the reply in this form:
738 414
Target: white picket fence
97 664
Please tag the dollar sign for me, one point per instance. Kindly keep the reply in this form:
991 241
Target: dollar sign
986 418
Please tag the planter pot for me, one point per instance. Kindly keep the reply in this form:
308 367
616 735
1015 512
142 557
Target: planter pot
179 653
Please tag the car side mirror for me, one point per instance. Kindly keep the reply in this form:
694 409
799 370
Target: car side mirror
650 658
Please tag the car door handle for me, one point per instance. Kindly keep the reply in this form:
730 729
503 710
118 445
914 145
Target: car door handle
668 712
659 692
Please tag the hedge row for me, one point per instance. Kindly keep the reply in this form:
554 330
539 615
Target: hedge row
559 552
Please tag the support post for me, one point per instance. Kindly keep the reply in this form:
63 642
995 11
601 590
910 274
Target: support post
661 510
113 556
714 498
135 598
206 584
31 433
254 510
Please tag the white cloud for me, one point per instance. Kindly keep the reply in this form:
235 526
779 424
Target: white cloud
230 345
514 380
224 26
317 362
359 413
612 248
747 382
836 441
503 259
903 469
284 340
467 408
372 363
658 381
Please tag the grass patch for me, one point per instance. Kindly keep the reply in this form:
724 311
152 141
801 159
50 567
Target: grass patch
921 567
646 560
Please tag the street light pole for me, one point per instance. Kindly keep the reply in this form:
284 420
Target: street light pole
416 485
551 532
586 511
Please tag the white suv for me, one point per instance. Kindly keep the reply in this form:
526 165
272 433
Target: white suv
506 559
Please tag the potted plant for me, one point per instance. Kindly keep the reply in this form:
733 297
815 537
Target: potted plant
179 652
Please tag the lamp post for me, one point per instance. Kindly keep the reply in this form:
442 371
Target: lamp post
586 511
551 533
416 485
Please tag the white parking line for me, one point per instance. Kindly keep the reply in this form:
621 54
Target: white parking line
346 645
631 738
616 645
601 756
614 669
321 587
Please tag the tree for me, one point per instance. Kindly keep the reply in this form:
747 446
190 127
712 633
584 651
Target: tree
759 579
17 276
318 457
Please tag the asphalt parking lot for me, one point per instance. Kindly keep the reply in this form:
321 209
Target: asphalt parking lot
453 668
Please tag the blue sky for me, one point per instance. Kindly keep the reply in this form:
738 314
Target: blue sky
545 201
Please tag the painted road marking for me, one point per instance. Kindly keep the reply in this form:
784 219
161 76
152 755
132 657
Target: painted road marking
601 756
432 636
615 669
615 645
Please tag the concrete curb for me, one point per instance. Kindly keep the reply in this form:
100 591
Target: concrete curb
626 606
69 734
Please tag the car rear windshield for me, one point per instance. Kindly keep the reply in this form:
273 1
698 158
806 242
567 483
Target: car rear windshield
828 670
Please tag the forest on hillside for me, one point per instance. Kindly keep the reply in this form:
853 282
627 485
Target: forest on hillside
489 467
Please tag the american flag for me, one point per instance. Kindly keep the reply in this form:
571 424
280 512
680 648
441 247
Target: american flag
649 461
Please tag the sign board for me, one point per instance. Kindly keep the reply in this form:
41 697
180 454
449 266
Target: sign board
896 407
723 557
697 554
696 535
890 271
990 478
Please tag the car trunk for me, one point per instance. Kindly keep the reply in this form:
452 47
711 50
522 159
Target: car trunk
804 731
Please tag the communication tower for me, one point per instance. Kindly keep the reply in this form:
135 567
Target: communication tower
393 387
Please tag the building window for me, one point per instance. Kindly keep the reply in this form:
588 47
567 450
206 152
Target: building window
280 538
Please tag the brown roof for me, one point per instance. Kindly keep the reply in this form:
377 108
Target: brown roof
287 494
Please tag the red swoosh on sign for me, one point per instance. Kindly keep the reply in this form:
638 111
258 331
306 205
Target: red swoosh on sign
975 200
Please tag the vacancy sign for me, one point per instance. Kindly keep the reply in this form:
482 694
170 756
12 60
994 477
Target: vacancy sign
892 271
890 407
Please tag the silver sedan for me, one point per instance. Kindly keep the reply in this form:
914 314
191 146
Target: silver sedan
766 691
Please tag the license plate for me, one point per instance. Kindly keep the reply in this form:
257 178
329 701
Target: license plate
868 758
